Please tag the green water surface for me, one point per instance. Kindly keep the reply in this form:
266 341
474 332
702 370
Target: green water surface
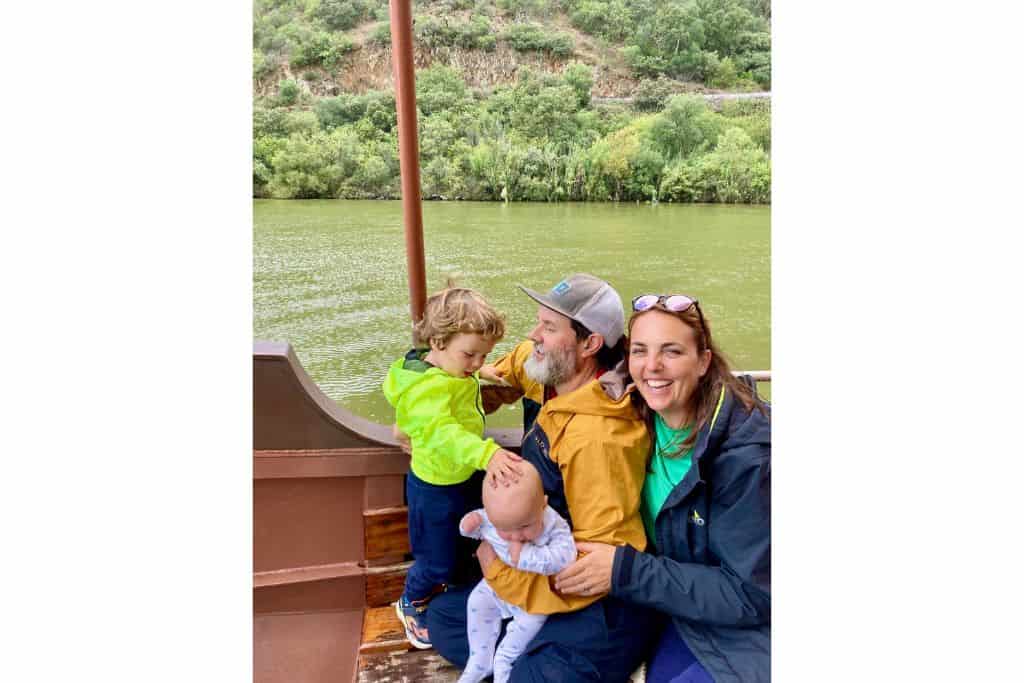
330 275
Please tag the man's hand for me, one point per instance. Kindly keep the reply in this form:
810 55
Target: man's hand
402 438
485 555
514 548
504 468
470 522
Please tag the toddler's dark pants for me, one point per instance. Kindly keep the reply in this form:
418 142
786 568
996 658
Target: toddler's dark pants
442 555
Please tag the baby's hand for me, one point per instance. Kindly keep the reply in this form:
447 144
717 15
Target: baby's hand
514 548
488 373
470 522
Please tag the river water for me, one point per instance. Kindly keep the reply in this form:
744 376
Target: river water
329 276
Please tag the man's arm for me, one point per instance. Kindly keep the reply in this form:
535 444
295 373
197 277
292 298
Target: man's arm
518 384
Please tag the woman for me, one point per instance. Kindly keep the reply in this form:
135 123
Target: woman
705 504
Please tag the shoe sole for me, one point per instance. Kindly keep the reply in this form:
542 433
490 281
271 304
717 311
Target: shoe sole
418 644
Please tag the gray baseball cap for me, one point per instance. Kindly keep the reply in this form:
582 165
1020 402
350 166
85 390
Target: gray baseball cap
588 300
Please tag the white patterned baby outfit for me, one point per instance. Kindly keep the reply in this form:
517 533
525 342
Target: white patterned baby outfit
548 554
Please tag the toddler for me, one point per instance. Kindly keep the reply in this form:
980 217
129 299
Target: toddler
526 533
435 391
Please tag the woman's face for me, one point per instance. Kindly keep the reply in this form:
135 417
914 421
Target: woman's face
665 364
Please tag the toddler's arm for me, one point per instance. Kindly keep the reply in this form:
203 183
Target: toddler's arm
556 555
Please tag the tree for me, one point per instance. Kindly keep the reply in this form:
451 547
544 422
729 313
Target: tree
685 126
440 88
579 77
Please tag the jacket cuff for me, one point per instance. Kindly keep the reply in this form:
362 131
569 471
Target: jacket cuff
490 448
622 566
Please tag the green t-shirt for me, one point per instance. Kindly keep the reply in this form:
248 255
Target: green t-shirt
663 473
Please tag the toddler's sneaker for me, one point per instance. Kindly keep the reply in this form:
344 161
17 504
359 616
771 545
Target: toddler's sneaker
413 616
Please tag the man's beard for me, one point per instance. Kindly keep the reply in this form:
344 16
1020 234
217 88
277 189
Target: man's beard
557 366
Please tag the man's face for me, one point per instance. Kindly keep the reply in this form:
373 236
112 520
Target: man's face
554 356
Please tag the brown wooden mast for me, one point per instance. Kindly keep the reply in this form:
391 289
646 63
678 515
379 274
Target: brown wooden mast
408 152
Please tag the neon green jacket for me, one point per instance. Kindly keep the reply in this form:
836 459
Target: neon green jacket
443 417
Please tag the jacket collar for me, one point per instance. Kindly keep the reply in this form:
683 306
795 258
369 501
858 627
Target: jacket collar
712 434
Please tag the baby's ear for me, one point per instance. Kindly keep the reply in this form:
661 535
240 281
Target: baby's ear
436 344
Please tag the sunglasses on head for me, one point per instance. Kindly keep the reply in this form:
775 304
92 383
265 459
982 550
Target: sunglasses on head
677 303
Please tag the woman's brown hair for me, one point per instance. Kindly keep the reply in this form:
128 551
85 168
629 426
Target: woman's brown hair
705 396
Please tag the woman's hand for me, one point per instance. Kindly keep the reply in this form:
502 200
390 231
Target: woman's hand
503 468
590 574
485 555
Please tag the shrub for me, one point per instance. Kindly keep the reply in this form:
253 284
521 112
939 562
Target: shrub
301 122
475 34
287 92
579 77
684 127
439 88
724 75
430 32
332 112
651 94
381 34
737 171
320 48
303 169
267 122
533 37
340 15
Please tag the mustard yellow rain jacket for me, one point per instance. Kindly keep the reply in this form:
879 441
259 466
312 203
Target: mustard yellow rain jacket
590 448
443 417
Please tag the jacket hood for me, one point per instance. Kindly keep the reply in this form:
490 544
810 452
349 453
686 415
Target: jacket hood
736 425
399 380
606 396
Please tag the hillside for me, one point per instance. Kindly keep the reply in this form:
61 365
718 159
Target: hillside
331 47
519 100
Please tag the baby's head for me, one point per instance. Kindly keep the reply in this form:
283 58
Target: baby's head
460 328
517 511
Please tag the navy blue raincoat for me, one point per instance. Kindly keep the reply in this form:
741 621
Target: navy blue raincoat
710 568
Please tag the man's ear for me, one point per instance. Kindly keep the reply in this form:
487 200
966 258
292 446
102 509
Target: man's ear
592 344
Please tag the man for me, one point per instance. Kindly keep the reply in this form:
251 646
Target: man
590 447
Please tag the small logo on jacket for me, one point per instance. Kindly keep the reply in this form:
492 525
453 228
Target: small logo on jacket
697 519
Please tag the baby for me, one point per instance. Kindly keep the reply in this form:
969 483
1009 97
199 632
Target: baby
528 535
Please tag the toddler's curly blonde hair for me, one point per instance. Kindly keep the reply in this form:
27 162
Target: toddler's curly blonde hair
456 310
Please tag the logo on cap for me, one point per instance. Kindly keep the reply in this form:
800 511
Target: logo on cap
561 288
